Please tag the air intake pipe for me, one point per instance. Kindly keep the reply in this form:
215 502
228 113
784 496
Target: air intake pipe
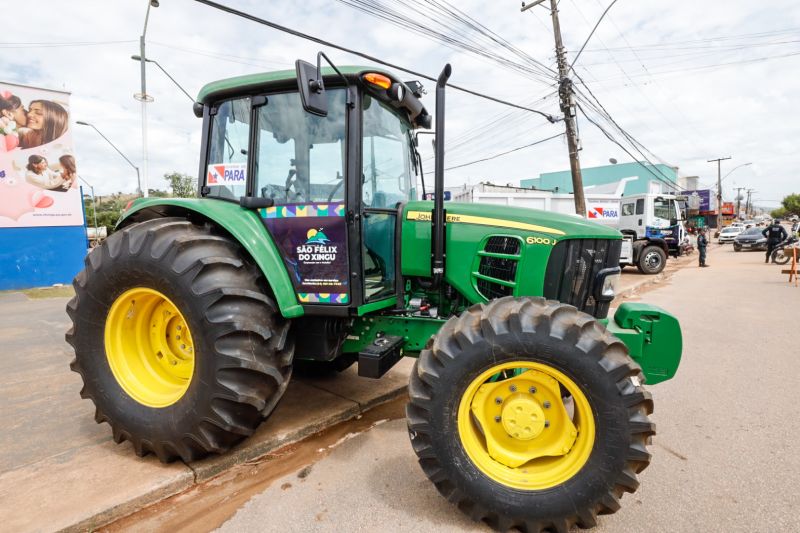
439 215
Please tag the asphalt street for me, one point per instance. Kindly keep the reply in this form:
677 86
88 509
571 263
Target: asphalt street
726 456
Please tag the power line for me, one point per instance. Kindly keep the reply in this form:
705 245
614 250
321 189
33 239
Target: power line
540 141
323 42
61 44
572 66
635 159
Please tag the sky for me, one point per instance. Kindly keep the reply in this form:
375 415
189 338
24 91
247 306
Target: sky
690 81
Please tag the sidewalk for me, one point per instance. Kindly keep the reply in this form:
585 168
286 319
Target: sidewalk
59 470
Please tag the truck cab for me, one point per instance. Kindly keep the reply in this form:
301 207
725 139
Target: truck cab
653 228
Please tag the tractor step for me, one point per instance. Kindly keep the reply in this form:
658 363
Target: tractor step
381 355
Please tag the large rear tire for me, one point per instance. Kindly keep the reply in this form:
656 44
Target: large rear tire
176 338
528 414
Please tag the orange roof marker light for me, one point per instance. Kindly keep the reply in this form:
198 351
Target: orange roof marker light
378 79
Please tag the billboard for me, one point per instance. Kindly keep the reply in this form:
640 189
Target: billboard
702 200
38 175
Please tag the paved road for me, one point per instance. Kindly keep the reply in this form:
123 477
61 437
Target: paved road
726 457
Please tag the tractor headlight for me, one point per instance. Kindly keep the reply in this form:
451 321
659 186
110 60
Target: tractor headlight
607 281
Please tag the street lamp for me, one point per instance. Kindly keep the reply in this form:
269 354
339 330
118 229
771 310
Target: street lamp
138 177
143 97
94 202
139 58
723 179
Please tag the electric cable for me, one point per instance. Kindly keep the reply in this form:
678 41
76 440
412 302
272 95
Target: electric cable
368 57
495 156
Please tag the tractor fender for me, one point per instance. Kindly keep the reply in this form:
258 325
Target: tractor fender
242 225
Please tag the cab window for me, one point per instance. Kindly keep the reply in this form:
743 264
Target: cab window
300 156
226 167
386 156
627 209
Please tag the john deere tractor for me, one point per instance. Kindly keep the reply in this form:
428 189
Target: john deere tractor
309 247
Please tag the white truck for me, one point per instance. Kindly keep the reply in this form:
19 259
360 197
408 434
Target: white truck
652 224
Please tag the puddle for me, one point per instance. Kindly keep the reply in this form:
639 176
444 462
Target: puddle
207 506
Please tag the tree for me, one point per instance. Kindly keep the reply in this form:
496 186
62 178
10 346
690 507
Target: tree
791 204
182 185
778 213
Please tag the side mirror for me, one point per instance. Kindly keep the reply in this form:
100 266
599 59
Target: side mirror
311 88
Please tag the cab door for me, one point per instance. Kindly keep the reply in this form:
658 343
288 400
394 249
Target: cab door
386 184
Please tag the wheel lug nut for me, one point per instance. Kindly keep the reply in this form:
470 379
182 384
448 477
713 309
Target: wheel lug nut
547 423
498 400
532 390
546 405
513 388
497 419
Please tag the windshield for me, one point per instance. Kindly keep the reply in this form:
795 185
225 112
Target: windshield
731 230
752 231
664 209
386 156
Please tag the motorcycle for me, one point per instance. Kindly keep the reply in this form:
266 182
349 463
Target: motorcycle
686 246
782 253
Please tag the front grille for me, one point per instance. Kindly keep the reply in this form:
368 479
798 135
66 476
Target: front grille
572 272
503 245
498 268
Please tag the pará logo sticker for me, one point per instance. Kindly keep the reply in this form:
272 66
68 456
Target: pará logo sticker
227 174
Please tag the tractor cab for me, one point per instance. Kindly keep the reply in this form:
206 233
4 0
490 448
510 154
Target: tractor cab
326 168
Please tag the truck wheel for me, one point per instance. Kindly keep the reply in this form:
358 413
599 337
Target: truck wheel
526 413
652 260
178 344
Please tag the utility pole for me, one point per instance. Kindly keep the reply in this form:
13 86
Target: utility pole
143 97
747 206
566 95
719 189
738 199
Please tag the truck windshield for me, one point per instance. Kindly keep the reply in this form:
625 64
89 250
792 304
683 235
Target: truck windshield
387 163
664 209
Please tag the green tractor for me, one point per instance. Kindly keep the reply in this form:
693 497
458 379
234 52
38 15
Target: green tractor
309 247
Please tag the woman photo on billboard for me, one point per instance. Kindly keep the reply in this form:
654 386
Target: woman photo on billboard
40 174
47 121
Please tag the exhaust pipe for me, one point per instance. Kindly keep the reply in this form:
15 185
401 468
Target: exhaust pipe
439 215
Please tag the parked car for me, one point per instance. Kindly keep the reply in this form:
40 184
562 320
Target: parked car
729 233
737 225
750 239
749 224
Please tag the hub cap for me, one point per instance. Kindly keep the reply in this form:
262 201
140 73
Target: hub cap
526 425
149 347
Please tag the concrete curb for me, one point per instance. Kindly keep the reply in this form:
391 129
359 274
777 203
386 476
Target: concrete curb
312 406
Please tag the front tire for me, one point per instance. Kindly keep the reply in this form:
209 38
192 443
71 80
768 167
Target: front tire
178 343
652 260
477 399
737 247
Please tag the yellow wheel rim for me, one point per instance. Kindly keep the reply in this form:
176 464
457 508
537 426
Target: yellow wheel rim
517 429
149 347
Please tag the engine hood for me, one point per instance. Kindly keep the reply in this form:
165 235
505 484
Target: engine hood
547 223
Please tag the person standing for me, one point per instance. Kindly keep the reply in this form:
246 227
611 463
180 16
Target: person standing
702 243
775 234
